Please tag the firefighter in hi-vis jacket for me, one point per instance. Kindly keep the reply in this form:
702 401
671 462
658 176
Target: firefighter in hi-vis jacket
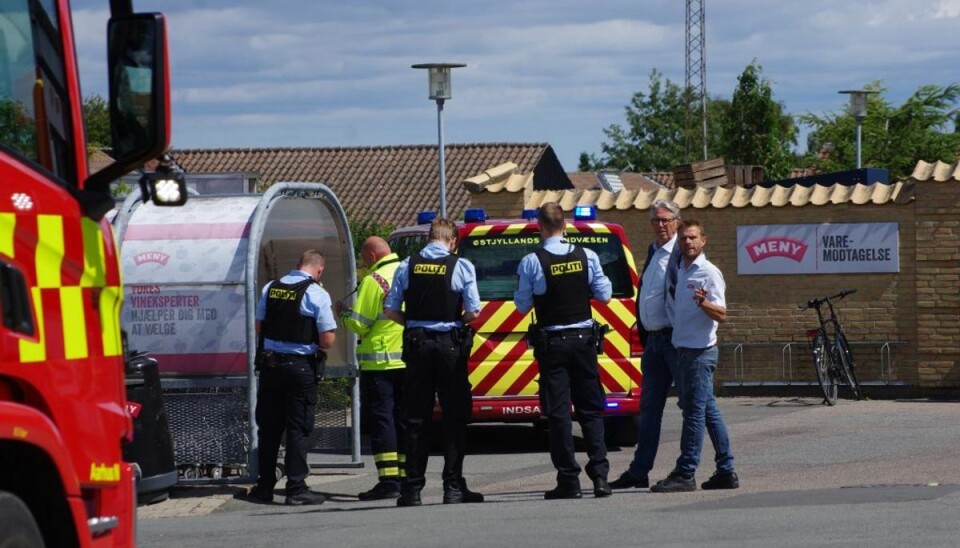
381 369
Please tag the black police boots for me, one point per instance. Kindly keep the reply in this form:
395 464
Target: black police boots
381 491
256 494
409 497
456 492
303 498
564 491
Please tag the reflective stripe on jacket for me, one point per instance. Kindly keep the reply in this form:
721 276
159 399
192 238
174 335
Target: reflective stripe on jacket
381 340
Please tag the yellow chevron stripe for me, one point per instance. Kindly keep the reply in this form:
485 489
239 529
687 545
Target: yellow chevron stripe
515 228
110 300
499 354
49 250
94 265
480 230
498 318
600 228
630 262
31 352
74 323
532 387
500 388
614 371
8 226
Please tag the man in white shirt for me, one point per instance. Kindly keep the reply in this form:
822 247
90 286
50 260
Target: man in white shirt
696 308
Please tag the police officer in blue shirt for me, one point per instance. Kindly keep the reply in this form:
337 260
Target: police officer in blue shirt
295 322
434 294
557 281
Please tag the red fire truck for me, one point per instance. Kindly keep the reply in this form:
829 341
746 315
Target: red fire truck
63 415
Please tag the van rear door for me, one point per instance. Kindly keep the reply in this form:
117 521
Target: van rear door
501 364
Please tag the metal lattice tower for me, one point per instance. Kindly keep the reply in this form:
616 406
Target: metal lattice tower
695 79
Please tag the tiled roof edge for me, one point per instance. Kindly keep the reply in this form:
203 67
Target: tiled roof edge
738 197
354 148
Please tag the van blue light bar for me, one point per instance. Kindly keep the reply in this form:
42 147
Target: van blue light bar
426 217
585 213
475 215
529 214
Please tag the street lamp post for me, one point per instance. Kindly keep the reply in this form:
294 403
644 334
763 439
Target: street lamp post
858 109
440 90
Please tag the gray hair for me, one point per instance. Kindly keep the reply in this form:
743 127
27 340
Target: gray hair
664 204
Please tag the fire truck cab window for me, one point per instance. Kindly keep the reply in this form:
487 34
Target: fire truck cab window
34 109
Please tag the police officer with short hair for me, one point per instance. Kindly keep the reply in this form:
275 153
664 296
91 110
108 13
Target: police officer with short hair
381 367
295 322
557 281
434 294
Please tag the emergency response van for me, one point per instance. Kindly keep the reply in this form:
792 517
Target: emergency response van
502 370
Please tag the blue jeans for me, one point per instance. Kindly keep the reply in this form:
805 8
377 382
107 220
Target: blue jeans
700 411
659 369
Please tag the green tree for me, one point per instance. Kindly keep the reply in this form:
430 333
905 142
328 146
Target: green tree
895 138
655 136
360 230
754 129
17 130
96 122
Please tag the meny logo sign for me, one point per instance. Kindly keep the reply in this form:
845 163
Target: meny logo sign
818 248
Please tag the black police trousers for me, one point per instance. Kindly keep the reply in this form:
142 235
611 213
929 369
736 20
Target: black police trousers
569 373
286 401
381 393
435 370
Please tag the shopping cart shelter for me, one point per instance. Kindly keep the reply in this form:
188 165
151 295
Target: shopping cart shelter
193 276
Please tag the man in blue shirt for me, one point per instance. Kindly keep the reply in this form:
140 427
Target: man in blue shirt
558 281
434 293
696 307
296 323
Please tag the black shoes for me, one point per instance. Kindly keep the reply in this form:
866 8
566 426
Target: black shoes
457 493
628 481
675 483
256 494
721 480
564 492
409 497
380 491
601 488
304 498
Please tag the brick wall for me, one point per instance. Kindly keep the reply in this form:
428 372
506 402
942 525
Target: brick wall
905 326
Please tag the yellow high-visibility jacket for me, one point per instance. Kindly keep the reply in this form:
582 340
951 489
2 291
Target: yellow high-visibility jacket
381 339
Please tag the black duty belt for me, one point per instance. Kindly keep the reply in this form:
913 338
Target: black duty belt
665 332
573 332
431 333
291 359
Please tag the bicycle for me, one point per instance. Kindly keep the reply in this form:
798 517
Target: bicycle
832 357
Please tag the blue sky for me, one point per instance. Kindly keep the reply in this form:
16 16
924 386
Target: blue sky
305 73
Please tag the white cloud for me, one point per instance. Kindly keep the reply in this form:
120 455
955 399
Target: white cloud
292 72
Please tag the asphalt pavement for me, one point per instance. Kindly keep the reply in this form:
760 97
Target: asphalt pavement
878 473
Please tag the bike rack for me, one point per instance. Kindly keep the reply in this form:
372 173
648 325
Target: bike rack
786 361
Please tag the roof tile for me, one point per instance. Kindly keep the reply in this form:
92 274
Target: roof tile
388 184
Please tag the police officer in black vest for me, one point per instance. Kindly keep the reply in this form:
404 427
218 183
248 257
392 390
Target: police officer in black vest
295 323
434 295
558 281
